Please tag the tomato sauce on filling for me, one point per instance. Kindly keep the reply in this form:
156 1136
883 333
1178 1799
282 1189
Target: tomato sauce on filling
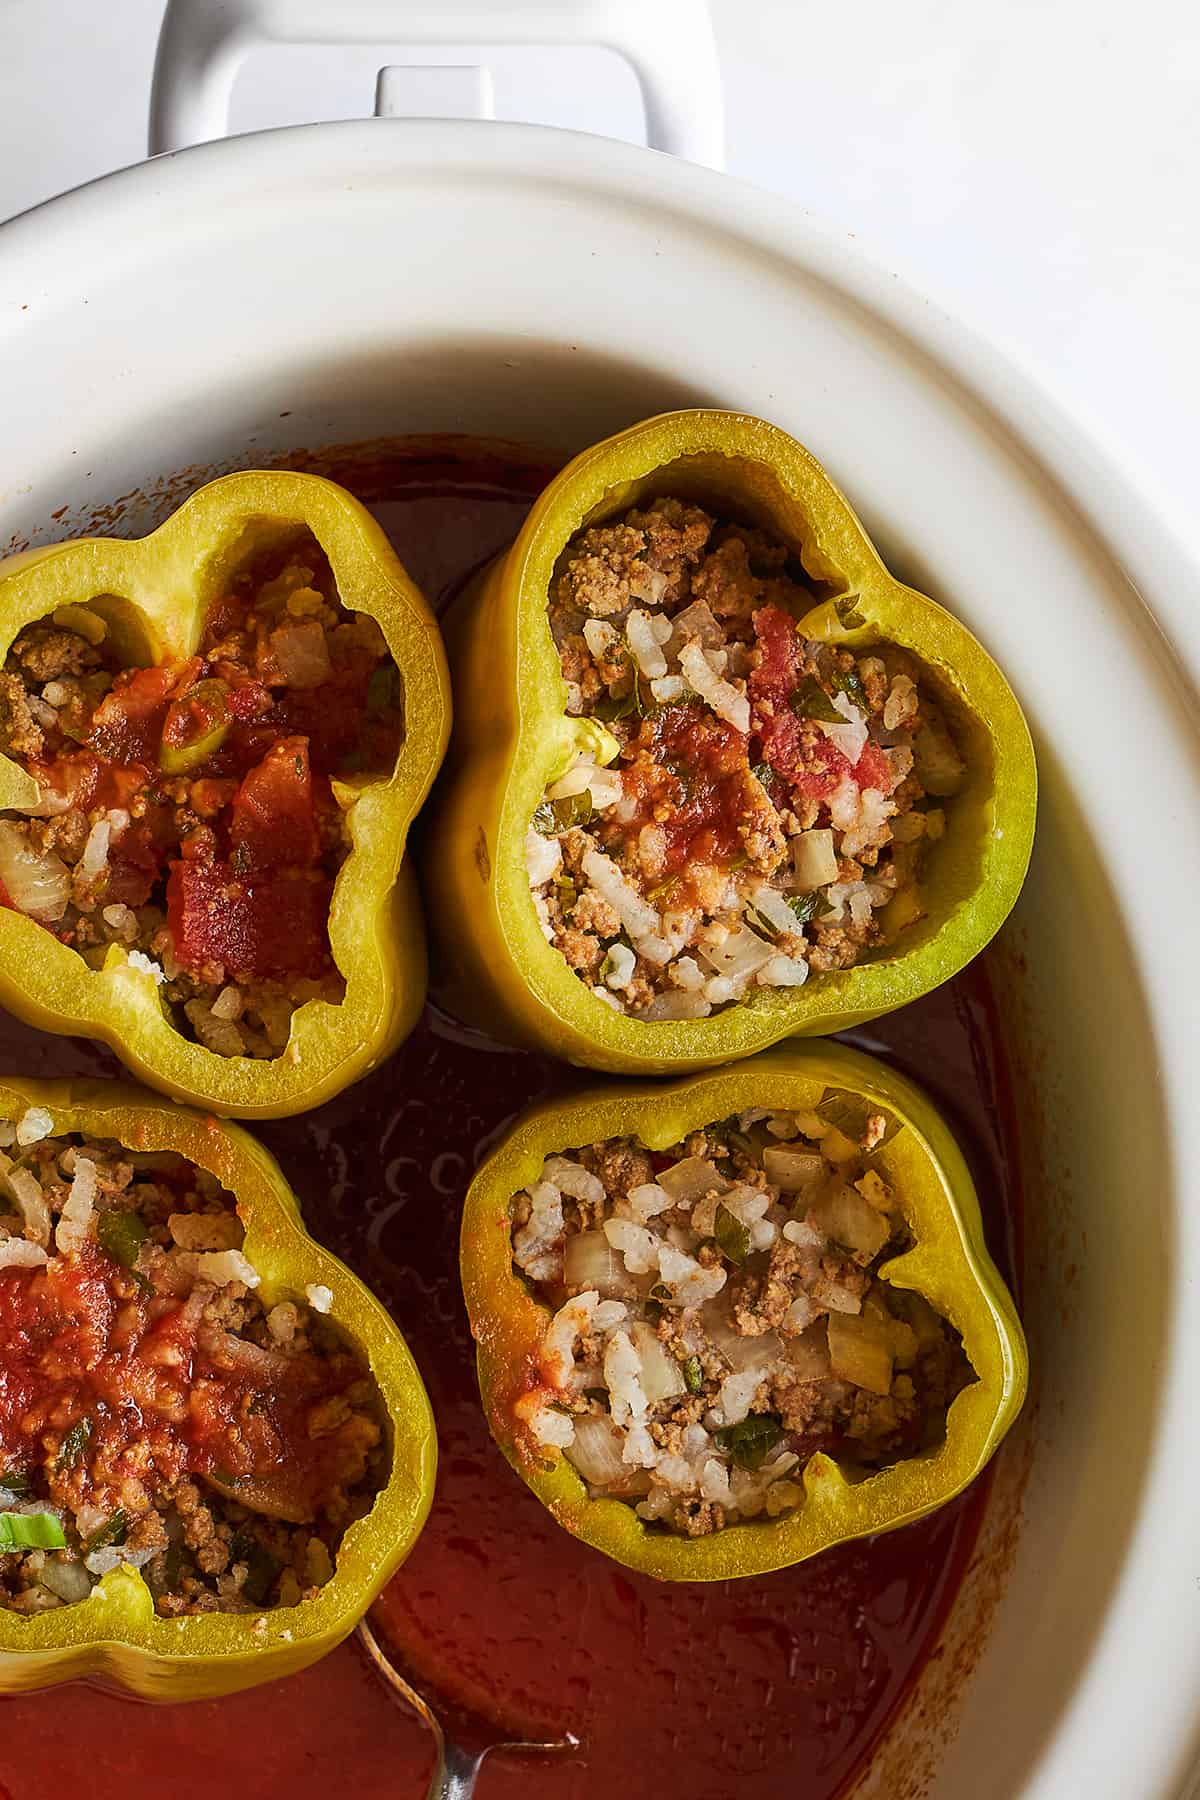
771 1689
191 812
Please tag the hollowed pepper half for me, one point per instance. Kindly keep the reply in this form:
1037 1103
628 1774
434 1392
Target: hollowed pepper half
937 1266
151 600
115 1634
514 739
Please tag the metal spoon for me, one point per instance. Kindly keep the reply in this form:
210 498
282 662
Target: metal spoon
455 1769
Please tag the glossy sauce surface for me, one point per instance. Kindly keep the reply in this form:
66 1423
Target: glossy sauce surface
770 1689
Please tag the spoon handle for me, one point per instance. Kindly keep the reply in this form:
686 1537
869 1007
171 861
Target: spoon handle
454 1773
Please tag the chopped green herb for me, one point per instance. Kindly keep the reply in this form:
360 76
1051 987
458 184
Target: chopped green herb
111 1532
74 1443
850 1113
224 1477
31 1531
750 1441
850 617
121 1235
663 889
847 682
805 906
599 1395
611 707
568 893
731 1131
661 1292
551 817
298 766
693 1374
810 701
733 1238
16 1481
239 859
762 772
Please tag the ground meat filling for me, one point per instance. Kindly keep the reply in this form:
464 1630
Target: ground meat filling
187 811
761 798
153 1411
717 1316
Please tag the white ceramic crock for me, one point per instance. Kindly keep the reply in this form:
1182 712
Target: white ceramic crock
338 282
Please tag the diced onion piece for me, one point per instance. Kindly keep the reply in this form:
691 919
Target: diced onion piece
589 1261
686 1181
662 1376
646 648
814 863
677 1005
697 622
741 953
845 1217
808 1354
793 1171
860 1351
302 654
596 1450
37 881
741 1352
69 1580
939 768
639 919
726 700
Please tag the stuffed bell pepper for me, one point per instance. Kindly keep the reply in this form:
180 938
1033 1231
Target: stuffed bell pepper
717 777
214 1445
214 741
727 1323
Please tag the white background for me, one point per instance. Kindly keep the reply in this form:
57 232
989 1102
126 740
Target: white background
1031 165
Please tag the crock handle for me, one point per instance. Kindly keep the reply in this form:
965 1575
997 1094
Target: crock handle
668 43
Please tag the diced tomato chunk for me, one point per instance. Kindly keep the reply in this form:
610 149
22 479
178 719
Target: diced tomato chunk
266 929
127 724
273 823
873 770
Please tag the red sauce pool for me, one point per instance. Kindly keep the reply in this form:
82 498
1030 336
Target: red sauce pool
771 1689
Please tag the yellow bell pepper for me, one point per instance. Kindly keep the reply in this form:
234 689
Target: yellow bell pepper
513 737
152 595
948 1264
115 1635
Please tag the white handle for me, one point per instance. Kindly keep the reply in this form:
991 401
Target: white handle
668 43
